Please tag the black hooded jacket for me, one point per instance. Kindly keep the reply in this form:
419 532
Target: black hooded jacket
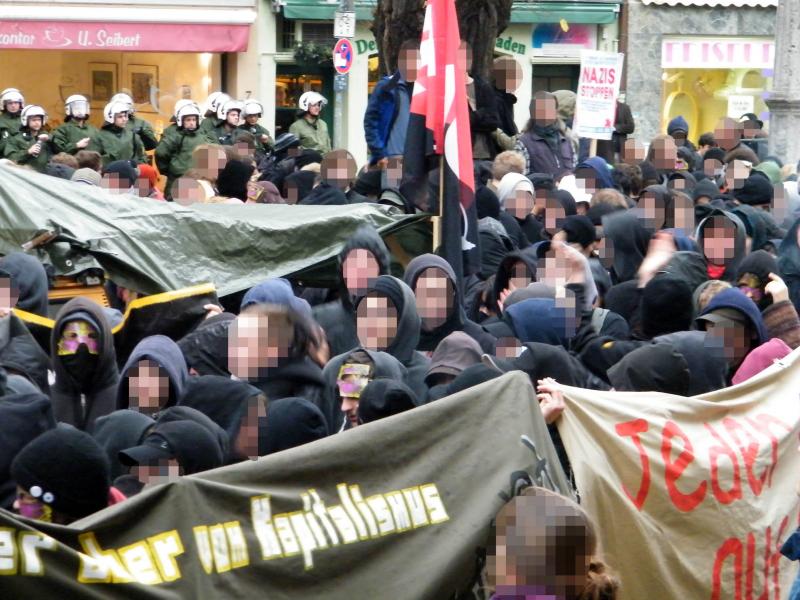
457 319
292 422
166 354
338 318
325 194
732 265
789 263
527 256
629 238
99 390
206 348
120 430
21 354
30 280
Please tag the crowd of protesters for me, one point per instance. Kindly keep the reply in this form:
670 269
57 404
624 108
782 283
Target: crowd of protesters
671 267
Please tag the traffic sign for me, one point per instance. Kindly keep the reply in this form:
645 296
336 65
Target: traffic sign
343 56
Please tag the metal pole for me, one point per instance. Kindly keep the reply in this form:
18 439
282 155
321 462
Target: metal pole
339 87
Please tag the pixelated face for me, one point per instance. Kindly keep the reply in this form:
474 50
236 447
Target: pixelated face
360 269
683 210
465 56
508 347
256 343
12 106
520 203
750 129
712 167
254 420
507 74
719 240
338 168
252 119
733 338
114 183
434 294
189 122
680 138
408 63
554 215
244 150
545 111
728 133
652 210
8 294
209 162
292 192
162 471
555 269
665 153
604 248
520 276
76 333
633 152
586 180
232 118
779 207
376 321
187 191
678 183
148 387
394 172
736 173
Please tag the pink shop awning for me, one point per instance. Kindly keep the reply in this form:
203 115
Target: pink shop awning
123 37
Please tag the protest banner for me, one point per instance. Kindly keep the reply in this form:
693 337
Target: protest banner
398 508
598 89
692 497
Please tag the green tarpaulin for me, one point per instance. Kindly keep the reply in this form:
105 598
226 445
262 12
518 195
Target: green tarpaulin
151 246
397 509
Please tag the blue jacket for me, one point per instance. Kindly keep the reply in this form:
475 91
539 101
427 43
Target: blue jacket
380 116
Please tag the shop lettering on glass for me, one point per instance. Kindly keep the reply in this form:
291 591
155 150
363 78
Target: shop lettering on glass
719 53
721 464
510 46
81 37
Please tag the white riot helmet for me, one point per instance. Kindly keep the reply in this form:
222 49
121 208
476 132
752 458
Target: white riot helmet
215 101
112 109
32 110
187 110
11 95
77 106
311 98
224 109
124 98
252 107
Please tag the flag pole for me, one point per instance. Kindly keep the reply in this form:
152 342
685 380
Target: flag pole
437 220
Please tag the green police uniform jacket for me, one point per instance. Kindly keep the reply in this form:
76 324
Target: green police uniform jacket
9 126
312 137
174 152
116 143
221 135
70 133
208 124
16 149
145 132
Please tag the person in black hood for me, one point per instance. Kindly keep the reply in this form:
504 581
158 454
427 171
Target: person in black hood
298 185
753 276
20 354
516 271
28 280
346 376
456 352
722 238
704 356
362 259
206 348
153 377
627 238
387 320
439 303
755 227
232 180
652 368
324 194
292 422
23 417
119 430
384 398
237 407
85 364
789 262
268 347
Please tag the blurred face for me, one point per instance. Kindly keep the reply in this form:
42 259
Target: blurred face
520 276
719 240
338 169
121 119
209 162
190 122
8 295
163 471
728 133
586 179
360 269
665 153
253 421
520 203
507 74
554 215
733 338
545 111
712 167
148 387
434 294
652 210
633 152
187 191
256 343
736 173
376 322
508 347
408 64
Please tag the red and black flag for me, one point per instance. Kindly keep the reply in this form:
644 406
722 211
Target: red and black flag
439 127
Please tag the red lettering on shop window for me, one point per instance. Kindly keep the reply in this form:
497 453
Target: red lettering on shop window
634 428
674 469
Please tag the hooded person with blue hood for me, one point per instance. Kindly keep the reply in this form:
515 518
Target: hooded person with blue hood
387 320
722 239
153 377
595 174
85 364
440 304
362 259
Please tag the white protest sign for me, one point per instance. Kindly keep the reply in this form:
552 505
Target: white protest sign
598 89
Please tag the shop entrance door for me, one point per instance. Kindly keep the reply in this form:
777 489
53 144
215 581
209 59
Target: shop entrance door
291 82
550 78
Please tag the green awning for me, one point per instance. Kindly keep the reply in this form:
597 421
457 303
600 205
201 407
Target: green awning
598 13
318 10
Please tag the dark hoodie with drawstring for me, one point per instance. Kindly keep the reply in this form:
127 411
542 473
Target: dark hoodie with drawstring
120 430
338 318
29 278
81 400
324 194
166 354
629 238
597 164
457 319
386 366
528 256
21 354
732 264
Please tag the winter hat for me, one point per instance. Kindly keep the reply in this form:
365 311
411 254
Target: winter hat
149 173
705 189
678 124
275 291
292 422
652 368
598 211
567 201
383 398
86 176
579 230
124 169
509 183
666 306
59 170
756 191
487 203
232 180
307 157
771 170
715 153
65 469
760 263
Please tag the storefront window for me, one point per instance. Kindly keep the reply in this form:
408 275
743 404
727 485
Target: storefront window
374 72
155 80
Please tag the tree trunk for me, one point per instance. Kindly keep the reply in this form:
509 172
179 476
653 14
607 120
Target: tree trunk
480 22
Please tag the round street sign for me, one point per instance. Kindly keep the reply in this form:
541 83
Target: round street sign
343 56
